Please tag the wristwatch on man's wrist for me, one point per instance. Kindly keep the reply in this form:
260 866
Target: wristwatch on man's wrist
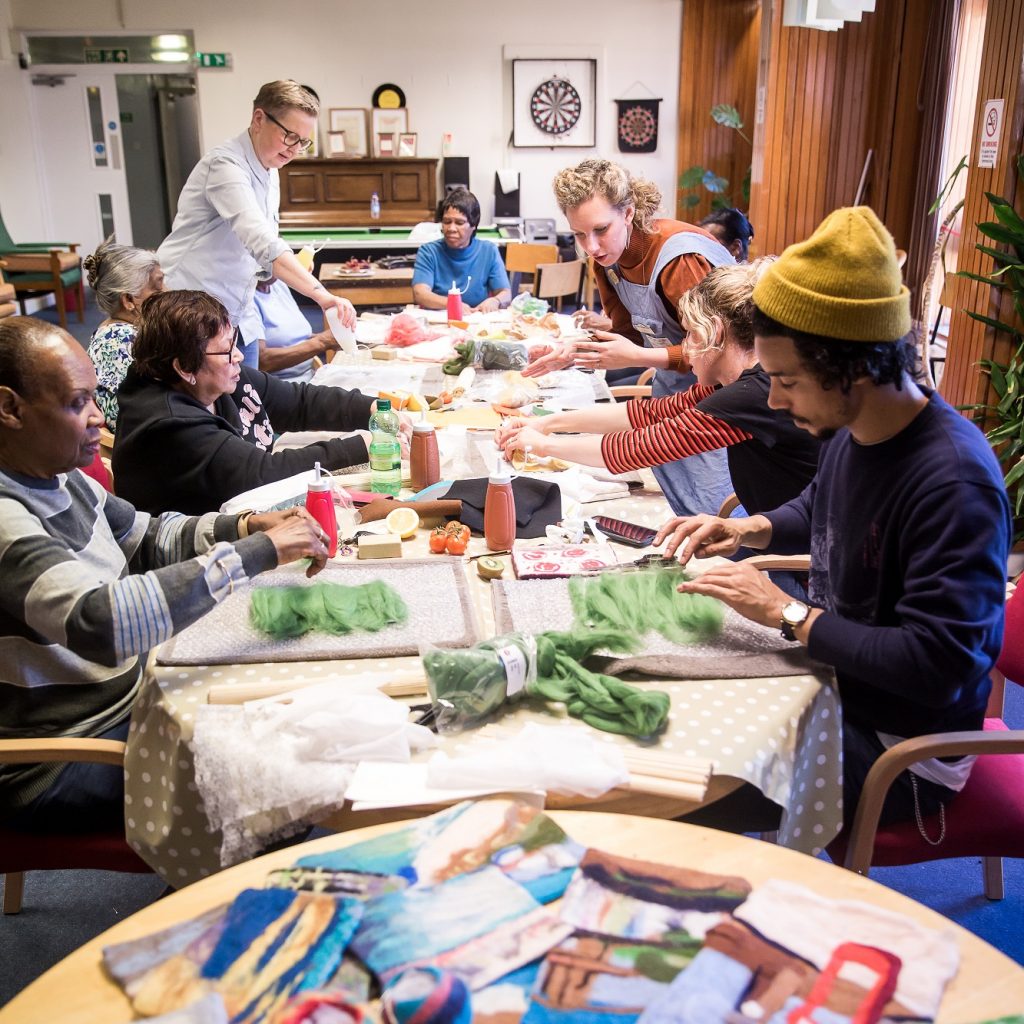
794 613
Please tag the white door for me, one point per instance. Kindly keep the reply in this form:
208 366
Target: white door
78 139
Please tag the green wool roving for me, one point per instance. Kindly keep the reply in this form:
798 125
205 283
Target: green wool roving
468 685
328 607
636 602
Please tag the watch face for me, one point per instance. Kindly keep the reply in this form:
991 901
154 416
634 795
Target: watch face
794 612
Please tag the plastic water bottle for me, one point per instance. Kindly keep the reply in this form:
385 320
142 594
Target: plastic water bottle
385 450
375 207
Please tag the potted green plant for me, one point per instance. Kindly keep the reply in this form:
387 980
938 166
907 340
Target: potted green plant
1004 418
693 178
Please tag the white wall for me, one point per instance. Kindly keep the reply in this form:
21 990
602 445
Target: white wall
445 54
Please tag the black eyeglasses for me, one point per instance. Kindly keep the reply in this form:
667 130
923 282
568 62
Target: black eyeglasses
230 352
293 140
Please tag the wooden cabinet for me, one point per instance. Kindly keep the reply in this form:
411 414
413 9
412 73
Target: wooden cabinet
336 193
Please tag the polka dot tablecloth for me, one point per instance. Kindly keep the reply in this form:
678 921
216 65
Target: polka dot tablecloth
781 734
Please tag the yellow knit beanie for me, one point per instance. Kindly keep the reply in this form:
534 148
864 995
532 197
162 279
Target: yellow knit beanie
843 282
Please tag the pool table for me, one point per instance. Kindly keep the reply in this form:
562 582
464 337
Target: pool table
341 244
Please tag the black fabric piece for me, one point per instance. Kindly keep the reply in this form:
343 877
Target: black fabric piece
538 505
780 460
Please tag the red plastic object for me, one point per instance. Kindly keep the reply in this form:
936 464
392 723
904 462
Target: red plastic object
886 967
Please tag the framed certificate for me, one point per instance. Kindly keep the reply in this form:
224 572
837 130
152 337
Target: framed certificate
350 122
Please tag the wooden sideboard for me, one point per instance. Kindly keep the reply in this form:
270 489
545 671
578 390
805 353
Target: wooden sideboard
336 193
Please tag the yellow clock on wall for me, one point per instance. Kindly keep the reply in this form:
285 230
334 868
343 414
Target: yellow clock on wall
388 97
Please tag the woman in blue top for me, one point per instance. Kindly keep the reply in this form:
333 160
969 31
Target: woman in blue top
473 264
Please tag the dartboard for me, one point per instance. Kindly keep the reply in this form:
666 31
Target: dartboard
555 106
637 126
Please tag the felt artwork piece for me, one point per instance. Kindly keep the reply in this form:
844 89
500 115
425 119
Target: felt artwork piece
328 607
267 946
636 926
418 925
434 591
788 948
358 885
517 838
637 125
571 560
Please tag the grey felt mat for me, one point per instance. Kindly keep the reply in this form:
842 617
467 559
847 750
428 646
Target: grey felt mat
434 590
744 650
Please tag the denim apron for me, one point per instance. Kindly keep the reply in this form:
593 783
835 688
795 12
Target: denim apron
698 483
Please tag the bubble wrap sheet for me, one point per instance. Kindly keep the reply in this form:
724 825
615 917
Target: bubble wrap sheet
434 590
743 650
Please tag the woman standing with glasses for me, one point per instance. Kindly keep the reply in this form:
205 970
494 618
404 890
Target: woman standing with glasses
225 234
196 427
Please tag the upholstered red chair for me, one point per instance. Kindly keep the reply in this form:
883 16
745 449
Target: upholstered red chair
23 851
986 819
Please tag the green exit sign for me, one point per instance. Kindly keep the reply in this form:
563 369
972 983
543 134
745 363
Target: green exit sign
213 60
105 56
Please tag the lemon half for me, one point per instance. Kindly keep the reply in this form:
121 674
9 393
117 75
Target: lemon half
402 521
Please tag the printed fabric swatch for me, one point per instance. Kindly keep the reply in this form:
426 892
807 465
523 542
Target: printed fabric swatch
788 945
519 839
636 926
267 946
480 926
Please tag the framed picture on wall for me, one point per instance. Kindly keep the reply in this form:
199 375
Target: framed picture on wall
385 144
336 143
554 103
407 144
351 122
389 122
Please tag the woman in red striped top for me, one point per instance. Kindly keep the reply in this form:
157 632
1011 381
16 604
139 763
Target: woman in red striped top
770 459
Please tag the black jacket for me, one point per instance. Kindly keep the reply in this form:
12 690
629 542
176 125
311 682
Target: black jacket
172 454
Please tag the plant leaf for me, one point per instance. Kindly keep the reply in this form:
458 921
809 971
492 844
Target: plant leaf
692 177
714 182
997 324
993 229
1009 218
726 114
691 200
999 256
954 174
971 276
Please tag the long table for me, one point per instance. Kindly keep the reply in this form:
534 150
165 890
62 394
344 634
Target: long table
988 984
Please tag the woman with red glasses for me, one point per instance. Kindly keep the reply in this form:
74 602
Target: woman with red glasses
225 235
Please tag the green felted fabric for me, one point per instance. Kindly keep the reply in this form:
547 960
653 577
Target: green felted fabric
329 607
468 685
635 603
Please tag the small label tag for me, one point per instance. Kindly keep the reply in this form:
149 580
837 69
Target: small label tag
514 662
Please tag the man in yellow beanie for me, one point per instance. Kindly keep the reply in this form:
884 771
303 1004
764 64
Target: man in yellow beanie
907 520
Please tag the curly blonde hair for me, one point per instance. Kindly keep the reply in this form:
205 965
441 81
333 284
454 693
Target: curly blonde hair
724 298
575 185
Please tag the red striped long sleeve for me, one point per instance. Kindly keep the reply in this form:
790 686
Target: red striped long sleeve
688 432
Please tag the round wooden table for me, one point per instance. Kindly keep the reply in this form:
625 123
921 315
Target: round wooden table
987 985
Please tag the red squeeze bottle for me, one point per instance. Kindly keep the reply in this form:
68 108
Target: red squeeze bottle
499 511
320 505
424 461
454 303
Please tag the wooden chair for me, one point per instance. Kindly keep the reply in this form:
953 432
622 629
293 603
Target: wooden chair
26 851
522 258
641 389
558 280
39 268
985 819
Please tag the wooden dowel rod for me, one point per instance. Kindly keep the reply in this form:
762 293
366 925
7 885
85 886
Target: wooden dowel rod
406 684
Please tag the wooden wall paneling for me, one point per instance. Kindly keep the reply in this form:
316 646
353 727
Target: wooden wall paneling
718 64
1000 76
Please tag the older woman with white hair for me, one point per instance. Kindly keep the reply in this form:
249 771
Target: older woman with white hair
122 277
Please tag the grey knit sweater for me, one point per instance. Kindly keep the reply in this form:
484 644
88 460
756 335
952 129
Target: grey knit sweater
87 586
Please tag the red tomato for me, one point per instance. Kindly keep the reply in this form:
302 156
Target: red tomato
456 543
438 539
457 529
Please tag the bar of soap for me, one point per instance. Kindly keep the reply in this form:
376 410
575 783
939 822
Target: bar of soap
383 352
380 545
